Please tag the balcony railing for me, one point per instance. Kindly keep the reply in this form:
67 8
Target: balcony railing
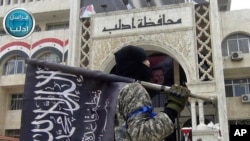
13 2
34 6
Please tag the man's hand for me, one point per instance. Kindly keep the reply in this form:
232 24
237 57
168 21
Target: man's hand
177 98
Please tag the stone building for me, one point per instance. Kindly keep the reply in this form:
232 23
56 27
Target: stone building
206 44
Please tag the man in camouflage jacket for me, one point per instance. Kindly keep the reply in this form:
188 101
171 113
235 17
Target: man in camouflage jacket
135 119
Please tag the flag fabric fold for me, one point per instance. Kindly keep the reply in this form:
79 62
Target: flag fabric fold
68 103
87 11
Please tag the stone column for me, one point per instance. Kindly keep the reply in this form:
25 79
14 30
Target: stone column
74 34
193 113
4 2
218 68
201 114
11 2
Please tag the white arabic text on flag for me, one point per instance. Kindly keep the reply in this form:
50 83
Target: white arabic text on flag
68 103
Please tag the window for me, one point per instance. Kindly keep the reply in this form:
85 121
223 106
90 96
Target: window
37 28
16 102
56 26
234 43
15 65
2 33
12 133
237 87
159 100
239 122
50 57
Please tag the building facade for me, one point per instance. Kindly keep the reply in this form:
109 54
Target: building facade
208 46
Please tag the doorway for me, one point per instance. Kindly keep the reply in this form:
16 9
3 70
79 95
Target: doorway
165 71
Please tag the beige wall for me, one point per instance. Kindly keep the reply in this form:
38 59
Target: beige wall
3 109
36 36
232 69
13 118
236 69
11 84
235 21
237 109
12 81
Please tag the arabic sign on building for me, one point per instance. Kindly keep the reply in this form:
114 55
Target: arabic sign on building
143 20
19 23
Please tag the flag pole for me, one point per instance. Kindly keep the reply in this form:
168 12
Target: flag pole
158 87
105 76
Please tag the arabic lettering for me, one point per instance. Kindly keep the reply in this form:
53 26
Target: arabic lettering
19 18
66 126
57 96
106 118
92 118
143 22
20 23
39 132
19 29
69 107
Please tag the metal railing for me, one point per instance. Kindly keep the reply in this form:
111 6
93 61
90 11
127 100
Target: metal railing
13 2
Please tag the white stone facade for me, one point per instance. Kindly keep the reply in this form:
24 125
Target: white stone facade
96 52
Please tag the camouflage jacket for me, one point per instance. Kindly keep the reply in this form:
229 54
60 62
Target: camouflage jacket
140 126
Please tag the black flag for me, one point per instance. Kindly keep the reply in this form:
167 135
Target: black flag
63 103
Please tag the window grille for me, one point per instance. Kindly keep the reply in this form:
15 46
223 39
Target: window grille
235 43
85 42
16 102
204 42
237 87
50 57
58 26
14 67
12 133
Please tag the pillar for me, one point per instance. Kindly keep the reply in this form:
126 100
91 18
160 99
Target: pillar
218 69
74 34
193 113
201 114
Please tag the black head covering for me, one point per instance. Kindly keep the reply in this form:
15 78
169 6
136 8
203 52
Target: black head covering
129 63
